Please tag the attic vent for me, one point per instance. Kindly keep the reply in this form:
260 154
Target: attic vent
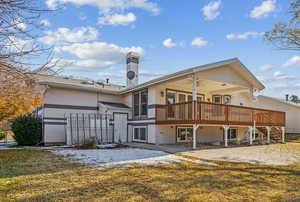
87 82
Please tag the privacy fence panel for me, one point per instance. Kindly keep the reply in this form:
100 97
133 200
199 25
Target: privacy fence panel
86 128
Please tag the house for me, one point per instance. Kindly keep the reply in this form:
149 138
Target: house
291 109
212 103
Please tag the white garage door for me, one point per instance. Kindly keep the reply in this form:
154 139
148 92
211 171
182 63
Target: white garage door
120 127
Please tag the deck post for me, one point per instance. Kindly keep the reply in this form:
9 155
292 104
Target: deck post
268 134
250 135
195 127
283 134
226 128
194 94
194 88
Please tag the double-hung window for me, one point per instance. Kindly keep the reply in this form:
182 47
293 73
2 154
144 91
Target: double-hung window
140 103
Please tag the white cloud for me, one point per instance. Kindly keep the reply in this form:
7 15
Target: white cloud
245 35
281 76
169 43
16 44
211 10
19 24
110 6
264 9
261 78
265 67
45 23
118 74
150 74
199 41
64 34
117 19
95 55
294 61
82 17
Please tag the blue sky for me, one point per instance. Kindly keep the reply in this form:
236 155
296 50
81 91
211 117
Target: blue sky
93 36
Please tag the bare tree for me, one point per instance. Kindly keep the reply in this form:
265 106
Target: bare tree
286 35
19 49
19 33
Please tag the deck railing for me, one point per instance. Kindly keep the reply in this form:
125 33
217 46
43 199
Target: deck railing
195 112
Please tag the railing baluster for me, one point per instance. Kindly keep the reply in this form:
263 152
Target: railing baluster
211 113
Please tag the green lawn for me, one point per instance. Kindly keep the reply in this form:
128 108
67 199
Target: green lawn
31 175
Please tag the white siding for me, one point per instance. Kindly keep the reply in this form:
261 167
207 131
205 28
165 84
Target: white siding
292 112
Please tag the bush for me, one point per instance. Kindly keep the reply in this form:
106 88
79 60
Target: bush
2 135
27 130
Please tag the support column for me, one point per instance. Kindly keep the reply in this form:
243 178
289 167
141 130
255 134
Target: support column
268 134
283 134
194 88
195 127
250 135
226 128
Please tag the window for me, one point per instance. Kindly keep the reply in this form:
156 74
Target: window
232 133
217 99
136 104
144 103
200 98
181 97
171 97
140 134
184 134
227 99
174 96
140 103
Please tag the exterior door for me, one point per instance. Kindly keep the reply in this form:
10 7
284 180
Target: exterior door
120 127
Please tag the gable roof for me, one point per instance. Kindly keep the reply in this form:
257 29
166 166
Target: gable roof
234 61
117 89
280 100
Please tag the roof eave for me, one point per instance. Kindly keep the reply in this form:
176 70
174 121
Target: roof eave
76 87
183 73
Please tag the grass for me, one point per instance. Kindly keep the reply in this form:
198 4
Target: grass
33 175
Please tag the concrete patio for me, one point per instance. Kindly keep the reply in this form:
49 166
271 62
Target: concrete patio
274 154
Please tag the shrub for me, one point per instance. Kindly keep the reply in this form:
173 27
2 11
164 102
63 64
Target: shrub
2 135
27 130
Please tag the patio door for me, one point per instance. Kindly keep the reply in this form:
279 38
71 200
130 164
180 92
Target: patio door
184 134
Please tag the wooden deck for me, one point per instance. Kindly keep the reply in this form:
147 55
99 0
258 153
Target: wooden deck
219 114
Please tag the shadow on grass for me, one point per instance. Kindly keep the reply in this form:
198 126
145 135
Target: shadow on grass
18 162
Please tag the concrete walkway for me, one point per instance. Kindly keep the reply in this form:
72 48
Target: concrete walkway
276 154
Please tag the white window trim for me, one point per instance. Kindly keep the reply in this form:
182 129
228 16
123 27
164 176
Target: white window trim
140 103
137 140
219 96
177 93
182 141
